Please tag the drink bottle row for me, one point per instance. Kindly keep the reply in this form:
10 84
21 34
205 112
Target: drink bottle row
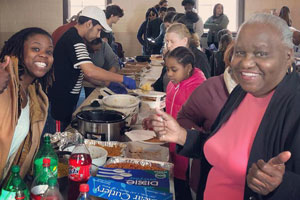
44 185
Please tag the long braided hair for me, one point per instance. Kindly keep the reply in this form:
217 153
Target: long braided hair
14 46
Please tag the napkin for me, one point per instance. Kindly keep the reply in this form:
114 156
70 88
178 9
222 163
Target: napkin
140 135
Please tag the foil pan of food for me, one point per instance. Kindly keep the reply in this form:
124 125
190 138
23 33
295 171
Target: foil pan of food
60 140
132 163
113 148
146 151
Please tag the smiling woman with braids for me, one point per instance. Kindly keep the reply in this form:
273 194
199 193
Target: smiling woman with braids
24 104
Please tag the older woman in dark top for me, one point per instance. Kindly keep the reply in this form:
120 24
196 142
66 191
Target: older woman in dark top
253 149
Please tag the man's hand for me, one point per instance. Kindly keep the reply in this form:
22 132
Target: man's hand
129 82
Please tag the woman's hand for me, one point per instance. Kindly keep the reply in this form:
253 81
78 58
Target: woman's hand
4 74
167 128
146 123
263 177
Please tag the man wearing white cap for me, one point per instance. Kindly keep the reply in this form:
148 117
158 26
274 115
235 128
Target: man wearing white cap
72 63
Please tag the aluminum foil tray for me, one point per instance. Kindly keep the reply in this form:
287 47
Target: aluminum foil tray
108 145
63 139
139 150
165 165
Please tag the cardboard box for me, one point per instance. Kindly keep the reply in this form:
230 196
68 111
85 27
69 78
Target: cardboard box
158 180
115 190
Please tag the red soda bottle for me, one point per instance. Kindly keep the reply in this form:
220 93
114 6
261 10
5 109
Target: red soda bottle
80 163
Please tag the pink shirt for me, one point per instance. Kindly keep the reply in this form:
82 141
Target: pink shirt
229 149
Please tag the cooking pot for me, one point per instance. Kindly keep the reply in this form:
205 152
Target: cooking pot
125 103
104 125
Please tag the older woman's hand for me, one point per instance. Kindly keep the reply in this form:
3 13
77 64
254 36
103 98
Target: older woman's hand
263 177
167 128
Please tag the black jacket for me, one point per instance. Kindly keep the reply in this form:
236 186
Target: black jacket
279 131
201 61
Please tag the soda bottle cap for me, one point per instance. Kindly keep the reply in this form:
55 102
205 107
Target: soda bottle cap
46 162
16 182
52 181
47 139
84 188
15 169
20 194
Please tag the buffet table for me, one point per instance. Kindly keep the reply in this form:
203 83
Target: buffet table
133 149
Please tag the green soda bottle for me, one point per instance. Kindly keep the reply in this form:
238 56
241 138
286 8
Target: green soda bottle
19 191
9 190
46 151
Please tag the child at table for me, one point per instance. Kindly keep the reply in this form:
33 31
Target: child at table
184 79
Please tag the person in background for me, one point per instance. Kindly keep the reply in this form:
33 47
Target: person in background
285 15
57 33
198 26
72 63
151 14
217 63
184 79
178 35
171 9
202 108
153 30
4 75
168 20
258 126
103 56
182 34
163 3
209 51
113 14
24 103
216 23
296 38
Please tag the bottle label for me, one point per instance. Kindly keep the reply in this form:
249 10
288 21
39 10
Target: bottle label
38 191
38 166
79 173
7 195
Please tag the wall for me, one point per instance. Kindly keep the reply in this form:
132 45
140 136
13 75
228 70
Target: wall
18 14
134 15
252 6
47 14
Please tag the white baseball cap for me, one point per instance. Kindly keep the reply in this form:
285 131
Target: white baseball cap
97 14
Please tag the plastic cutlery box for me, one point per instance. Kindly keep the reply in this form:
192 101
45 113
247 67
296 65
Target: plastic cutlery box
115 190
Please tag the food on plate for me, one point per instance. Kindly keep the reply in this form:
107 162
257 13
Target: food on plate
141 153
155 139
126 165
148 98
115 150
146 87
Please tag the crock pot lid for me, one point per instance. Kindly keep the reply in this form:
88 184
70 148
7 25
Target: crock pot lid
101 116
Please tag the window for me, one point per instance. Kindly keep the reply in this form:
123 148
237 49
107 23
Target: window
232 9
77 5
